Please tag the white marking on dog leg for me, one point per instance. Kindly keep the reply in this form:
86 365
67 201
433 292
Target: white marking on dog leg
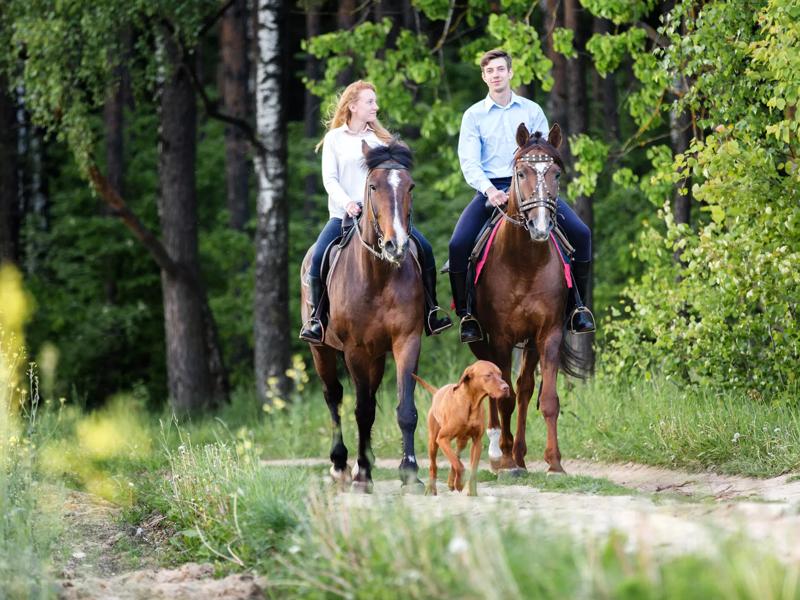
354 472
494 443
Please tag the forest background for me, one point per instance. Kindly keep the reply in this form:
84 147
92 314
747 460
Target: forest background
158 185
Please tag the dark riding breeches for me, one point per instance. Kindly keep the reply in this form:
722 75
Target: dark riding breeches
477 213
333 229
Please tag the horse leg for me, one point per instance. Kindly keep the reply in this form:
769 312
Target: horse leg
549 402
406 357
325 364
525 385
359 368
482 352
506 408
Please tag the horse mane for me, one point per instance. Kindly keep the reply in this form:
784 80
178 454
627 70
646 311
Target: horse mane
537 140
395 150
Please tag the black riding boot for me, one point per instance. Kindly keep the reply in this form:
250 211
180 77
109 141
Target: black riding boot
470 328
312 331
433 324
581 319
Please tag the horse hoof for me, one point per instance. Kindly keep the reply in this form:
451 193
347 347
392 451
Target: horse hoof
362 487
512 473
494 465
414 488
430 490
557 471
341 478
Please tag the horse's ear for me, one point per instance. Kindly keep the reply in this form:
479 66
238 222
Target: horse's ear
523 135
365 147
554 137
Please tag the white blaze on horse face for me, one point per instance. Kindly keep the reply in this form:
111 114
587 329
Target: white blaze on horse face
401 235
541 220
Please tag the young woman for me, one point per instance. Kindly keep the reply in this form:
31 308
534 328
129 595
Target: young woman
344 177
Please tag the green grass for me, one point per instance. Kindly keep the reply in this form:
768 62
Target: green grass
653 423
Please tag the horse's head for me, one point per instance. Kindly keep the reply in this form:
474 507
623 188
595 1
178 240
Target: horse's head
387 199
537 169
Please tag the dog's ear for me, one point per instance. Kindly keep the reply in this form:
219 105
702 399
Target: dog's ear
465 377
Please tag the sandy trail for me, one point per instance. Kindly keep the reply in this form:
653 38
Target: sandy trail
667 511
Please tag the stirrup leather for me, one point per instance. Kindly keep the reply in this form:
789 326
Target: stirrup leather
581 310
469 318
431 315
307 325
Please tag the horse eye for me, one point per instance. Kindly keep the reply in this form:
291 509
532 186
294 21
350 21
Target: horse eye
520 174
558 175
372 187
412 186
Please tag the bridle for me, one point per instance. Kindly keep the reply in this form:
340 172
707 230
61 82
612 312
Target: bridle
369 209
539 197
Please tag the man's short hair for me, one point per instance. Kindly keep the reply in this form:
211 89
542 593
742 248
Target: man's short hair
496 53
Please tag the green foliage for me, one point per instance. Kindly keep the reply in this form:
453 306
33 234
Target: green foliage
590 160
521 40
724 315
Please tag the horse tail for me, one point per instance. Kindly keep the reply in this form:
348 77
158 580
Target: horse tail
573 363
425 384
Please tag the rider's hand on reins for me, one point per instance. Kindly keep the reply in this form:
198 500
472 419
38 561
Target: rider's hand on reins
353 209
496 197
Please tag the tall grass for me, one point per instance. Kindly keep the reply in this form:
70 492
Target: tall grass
654 422
390 551
26 532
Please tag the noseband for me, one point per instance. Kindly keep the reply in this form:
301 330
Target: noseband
387 164
539 197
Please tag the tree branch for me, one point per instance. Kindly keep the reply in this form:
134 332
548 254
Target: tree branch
211 21
656 37
154 246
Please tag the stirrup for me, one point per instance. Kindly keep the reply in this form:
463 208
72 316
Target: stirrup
431 314
307 325
581 310
468 318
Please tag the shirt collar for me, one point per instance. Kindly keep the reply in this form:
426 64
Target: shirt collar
488 103
346 129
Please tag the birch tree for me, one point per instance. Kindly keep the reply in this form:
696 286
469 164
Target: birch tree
271 310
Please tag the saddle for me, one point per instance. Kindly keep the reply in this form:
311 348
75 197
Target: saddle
482 246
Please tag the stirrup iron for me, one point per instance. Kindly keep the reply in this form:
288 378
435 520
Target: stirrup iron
581 310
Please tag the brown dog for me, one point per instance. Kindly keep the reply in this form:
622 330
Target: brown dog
456 413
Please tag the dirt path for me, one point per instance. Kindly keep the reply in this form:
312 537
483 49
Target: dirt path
104 560
667 510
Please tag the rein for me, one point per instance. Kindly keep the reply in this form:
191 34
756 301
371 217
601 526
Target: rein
387 164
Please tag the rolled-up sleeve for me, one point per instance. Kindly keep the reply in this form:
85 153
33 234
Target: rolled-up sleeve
469 154
330 172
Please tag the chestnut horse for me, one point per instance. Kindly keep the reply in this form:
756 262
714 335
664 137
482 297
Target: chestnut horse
376 301
520 300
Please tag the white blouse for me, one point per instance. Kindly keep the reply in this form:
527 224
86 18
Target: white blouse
343 171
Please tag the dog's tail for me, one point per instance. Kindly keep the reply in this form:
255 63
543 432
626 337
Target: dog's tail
425 384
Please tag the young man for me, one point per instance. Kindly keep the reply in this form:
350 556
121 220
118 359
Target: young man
486 147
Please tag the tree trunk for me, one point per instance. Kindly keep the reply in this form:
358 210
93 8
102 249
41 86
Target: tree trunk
311 112
680 129
345 20
557 102
190 380
605 90
577 124
233 46
9 184
271 308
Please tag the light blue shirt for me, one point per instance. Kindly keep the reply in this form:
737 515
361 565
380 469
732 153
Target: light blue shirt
488 137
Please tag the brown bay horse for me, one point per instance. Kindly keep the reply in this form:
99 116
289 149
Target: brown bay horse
376 300
520 300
